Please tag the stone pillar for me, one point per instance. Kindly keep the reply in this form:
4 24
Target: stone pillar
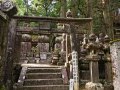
63 43
94 72
108 71
75 70
67 49
94 75
115 56
17 48
108 63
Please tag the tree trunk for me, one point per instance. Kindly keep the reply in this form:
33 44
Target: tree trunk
8 77
89 8
89 14
3 45
63 8
107 17
74 8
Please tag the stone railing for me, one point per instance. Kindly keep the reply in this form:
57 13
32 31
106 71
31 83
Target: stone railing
21 79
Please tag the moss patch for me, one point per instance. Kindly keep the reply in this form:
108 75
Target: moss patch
116 40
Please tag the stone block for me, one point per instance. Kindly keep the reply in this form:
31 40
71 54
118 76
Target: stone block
94 86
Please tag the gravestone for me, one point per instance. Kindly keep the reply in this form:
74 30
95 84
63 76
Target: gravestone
43 49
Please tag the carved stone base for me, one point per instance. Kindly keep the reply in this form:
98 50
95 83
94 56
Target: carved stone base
94 86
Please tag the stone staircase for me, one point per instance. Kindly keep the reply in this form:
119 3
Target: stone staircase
44 78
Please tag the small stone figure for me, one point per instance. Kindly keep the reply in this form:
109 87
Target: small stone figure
69 14
92 46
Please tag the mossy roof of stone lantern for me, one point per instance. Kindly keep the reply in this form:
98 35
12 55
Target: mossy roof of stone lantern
106 38
43 38
92 36
26 37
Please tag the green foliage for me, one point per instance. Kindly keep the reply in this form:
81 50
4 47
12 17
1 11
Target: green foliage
20 6
82 8
114 4
38 8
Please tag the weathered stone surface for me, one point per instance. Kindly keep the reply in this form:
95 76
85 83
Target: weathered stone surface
8 7
43 75
3 15
44 78
46 87
94 86
115 55
43 70
29 82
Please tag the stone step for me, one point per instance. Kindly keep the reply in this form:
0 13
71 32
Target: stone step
29 82
43 75
43 70
45 87
34 65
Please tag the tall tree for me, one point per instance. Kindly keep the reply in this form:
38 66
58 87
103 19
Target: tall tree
63 8
107 17
74 8
89 8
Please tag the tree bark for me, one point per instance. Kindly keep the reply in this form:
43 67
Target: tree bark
3 45
63 8
107 17
89 13
74 8
8 77
89 8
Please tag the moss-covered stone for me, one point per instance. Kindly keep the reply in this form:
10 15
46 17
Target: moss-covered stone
116 40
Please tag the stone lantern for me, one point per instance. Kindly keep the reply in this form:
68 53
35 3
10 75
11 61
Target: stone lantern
26 45
26 38
43 46
43 39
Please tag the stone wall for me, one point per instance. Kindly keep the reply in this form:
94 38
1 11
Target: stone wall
115 56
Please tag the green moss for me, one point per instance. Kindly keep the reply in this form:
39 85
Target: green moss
2 87
116 40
